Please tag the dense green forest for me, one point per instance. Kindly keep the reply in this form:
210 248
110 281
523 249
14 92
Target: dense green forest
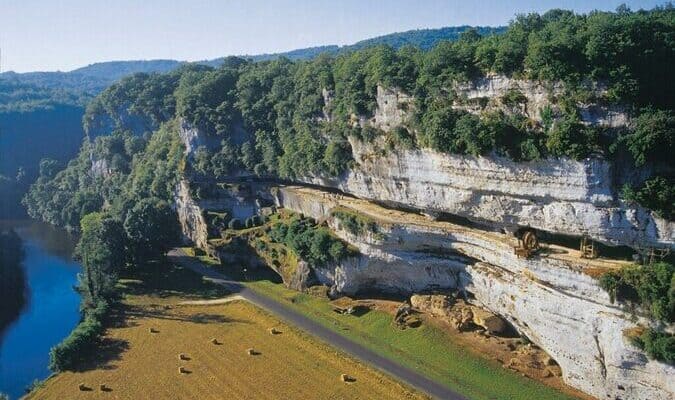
12 279
421 38
41 112
19 96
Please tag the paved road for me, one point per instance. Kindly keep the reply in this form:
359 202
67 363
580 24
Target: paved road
298 320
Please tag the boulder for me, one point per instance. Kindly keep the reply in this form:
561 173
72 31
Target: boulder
437 305
492 323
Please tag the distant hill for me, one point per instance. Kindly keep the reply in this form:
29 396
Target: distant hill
90 80
422 38
113 70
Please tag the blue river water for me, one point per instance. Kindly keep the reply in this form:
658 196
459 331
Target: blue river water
51 311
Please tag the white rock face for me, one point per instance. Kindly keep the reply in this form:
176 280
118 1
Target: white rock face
548 299
193 138
555 195
191 211
538 95
393 108
192 222
103 124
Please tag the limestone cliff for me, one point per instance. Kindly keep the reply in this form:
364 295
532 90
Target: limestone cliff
555 195
549 298
490 92
561 196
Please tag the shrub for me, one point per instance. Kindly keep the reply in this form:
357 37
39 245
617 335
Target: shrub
514 97
337 157
568 137
657 194
651 286
81 342
658 345
355 224
651 139
310 242
400 136
235 223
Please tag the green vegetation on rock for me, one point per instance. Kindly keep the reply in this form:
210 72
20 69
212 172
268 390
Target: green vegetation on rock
312 243
659 345
651 287
656 194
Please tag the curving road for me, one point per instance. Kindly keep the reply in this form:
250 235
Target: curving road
298 320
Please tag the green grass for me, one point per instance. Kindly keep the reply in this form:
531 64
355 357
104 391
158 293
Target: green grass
426 349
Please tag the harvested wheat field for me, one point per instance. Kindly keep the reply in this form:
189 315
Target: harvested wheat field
249 359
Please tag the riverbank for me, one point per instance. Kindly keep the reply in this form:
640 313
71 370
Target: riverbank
12 277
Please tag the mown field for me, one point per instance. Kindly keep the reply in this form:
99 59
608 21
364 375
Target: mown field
135 363
426 349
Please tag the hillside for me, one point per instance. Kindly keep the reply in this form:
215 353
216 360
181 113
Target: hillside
421 38
36 122
42 110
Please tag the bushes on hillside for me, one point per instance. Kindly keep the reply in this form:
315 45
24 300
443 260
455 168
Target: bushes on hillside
312 243
652 138
355 224
656 194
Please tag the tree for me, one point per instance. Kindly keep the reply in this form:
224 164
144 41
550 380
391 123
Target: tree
652 138
438 124
657 194
568 137
202 160
101 251
337 157
248 156
225 161
152 228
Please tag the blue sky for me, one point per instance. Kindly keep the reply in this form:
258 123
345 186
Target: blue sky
46 35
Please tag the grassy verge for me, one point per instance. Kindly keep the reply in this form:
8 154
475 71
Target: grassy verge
427 349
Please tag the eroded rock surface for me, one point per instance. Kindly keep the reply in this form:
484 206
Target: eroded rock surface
547 298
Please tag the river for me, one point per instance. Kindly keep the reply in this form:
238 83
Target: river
51 310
